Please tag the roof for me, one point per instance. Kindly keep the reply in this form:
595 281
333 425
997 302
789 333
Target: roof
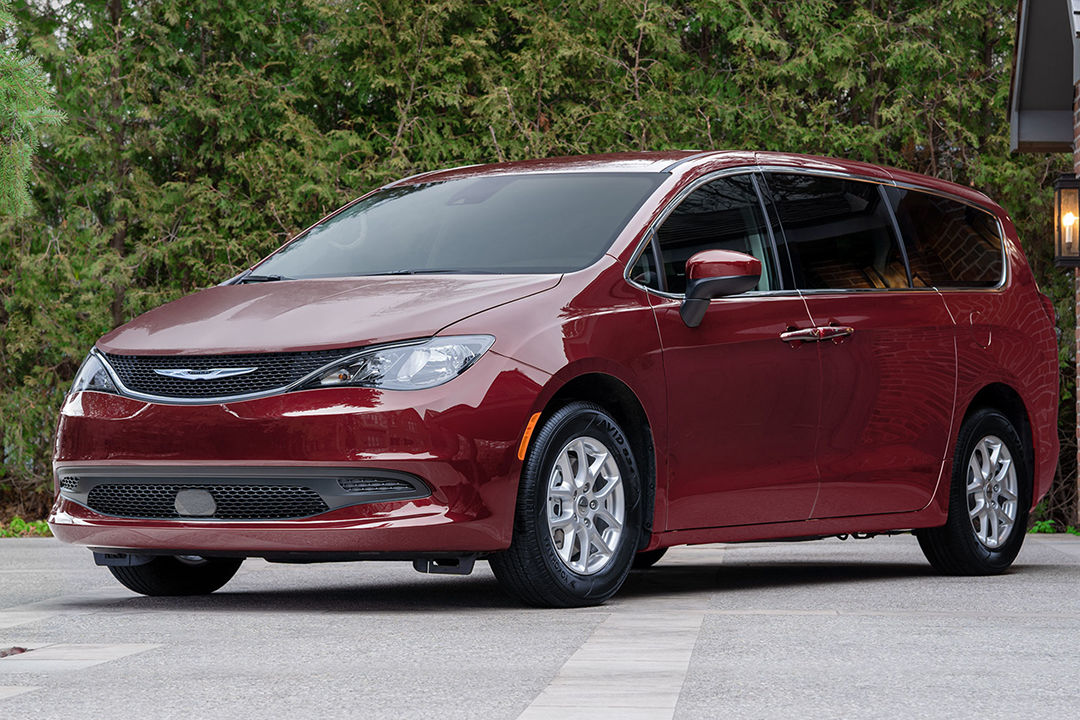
609 162
696 163
1046 66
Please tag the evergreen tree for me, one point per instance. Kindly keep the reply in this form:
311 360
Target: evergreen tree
204 133
26 105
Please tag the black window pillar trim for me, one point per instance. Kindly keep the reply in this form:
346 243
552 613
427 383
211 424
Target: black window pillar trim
767 218
765 191
654 245
900 240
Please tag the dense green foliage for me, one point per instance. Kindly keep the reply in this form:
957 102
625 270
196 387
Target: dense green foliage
21 528
25 107
204 134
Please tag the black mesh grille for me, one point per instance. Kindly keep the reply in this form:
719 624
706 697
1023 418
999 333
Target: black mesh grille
390 486
69 483
273 371
234 502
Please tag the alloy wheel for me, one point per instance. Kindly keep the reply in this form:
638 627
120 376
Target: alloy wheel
992 496
585 506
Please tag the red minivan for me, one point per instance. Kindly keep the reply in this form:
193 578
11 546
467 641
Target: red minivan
566 366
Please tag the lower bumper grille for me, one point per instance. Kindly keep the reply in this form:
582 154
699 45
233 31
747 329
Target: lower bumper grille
233 502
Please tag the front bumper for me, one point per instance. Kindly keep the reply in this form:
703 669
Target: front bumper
459 439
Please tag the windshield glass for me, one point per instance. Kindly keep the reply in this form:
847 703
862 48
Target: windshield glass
535 223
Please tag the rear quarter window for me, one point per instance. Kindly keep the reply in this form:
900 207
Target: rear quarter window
949 243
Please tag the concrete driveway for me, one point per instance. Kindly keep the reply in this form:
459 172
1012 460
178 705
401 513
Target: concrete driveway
827 629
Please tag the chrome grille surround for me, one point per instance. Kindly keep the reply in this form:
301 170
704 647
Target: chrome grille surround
274 372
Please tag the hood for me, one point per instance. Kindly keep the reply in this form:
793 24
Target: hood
326 313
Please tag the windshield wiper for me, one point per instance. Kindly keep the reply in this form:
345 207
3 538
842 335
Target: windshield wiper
425 271
261 278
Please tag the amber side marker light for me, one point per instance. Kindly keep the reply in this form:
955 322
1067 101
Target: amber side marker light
528 434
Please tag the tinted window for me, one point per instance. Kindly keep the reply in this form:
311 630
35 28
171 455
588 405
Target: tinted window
494 224
838 233
644 271
723 215
949 244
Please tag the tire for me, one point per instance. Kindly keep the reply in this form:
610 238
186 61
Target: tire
974 541
547 564
171 576
645 560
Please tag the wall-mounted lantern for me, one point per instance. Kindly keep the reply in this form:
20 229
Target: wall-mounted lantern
1067 221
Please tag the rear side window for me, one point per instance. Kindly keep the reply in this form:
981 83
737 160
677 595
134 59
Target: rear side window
838 233
949 244
724 214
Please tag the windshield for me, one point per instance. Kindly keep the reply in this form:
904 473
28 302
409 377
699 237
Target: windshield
535 223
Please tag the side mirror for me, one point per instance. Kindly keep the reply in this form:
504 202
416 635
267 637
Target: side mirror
716 273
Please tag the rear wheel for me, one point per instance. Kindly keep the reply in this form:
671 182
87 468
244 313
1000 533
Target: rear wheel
988 502
578 518
181 575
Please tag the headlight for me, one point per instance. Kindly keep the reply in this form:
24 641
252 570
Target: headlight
407 367
92 376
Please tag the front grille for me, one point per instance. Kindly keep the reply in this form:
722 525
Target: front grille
273 371
234 502
376 485
69 483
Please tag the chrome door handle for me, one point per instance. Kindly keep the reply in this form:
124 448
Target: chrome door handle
807 335
817 334
834 332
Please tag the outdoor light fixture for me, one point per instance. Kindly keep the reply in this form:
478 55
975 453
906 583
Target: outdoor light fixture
1067 221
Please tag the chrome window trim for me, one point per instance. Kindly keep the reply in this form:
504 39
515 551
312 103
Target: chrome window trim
690 158
918 188
750 169
669 209
125 391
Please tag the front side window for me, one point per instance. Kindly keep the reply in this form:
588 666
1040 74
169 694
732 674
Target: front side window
724 214
644 271
838 233
528 223
949 244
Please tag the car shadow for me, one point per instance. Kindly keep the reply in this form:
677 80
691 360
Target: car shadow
480 591
733 579
707 577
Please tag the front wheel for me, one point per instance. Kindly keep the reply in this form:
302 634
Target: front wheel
648 558
578 518
182 575
988 502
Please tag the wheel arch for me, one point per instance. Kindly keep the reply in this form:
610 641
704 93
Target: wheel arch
626 408
1006 400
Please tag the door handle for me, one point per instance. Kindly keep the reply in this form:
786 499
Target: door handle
817 334
834 332
798 336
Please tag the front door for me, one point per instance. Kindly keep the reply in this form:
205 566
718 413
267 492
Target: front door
742 403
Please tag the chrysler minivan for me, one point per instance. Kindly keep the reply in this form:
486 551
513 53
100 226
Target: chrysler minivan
565 366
